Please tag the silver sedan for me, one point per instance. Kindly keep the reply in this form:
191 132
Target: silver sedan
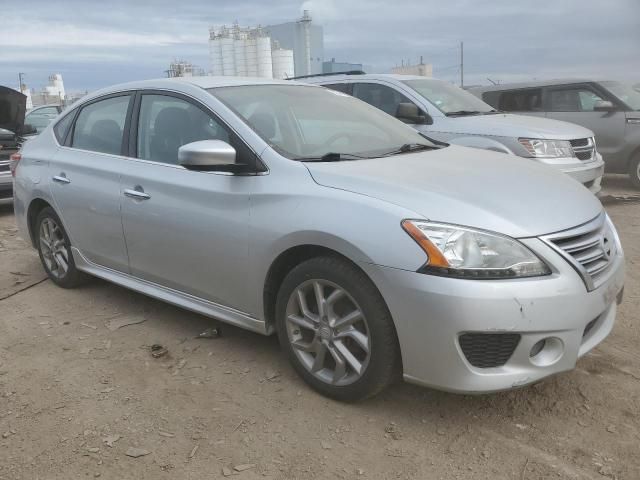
371 251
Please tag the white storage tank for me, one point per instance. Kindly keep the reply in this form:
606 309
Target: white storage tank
240 54
251 53
282 63
228 55
215 56
265 67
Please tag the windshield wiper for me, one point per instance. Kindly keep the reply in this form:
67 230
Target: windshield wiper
460 113
410 147
331 157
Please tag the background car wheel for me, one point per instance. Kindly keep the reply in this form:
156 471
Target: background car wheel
55 250
337 330
634 170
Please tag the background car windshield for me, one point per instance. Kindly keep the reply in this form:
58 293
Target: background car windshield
447 97
309 122
626 93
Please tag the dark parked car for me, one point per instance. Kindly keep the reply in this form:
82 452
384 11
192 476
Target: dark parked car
610 109
12 108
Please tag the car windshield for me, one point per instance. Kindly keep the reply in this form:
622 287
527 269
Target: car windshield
448 98
308 122
624 92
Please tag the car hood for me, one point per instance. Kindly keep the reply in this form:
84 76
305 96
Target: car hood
507 125
467 186
12 109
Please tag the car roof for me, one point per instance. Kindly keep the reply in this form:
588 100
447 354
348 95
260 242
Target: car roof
533 84
365 76
203 82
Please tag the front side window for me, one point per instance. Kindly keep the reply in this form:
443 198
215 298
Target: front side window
166 123
303 122
380 96
100 125
528 100
448 98
573 99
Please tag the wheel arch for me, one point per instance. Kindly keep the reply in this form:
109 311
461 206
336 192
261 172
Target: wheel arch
35 207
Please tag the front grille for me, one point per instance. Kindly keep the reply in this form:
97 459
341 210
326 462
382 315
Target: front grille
584 148
4 167
488 350
589 248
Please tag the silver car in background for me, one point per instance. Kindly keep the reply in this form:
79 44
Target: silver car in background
447 113
288 208
611 109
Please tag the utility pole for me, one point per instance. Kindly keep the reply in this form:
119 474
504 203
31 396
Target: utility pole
20 74
462 64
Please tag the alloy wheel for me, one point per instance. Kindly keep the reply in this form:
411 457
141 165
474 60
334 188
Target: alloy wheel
53 247
328 332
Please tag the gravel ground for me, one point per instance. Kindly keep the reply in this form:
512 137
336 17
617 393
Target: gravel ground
79 400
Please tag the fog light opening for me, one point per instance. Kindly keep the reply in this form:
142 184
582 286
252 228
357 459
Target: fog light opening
546 352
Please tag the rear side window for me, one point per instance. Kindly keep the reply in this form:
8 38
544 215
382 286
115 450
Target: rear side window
529 100
61 128
100 125
340 87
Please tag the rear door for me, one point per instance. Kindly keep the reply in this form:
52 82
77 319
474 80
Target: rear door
85 179
186 230
574 103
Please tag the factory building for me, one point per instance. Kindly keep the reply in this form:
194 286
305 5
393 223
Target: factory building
337 67
241 51
182 68
421 69
305 39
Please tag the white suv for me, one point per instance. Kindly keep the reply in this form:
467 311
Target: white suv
447 113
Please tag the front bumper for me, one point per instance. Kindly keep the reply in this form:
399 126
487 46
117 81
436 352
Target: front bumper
430 313
588 173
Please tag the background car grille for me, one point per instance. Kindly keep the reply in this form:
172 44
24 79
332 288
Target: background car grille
487 350
583 148
590 250
4 166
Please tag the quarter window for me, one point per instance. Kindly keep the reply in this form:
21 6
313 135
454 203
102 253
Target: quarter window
167 123
62 127
100 125
380 96
573 100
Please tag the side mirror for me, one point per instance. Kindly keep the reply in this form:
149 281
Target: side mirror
410 113
603 106
207 155
28 129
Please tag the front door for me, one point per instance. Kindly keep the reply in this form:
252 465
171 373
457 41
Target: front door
186 230
85 181
575 103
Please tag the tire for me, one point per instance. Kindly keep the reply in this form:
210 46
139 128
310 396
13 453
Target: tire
49 224
634 170
347 338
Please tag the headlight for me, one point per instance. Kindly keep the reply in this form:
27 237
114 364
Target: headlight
547 148
468 253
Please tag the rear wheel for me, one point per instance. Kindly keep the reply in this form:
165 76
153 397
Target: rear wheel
337 330
634 170
54 249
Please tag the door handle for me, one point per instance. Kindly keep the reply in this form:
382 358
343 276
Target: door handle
137 193
62 178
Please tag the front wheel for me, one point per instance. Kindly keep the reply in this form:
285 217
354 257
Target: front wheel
54 249
337 330
634 170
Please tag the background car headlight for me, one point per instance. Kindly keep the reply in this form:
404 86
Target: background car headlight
547 148
468 253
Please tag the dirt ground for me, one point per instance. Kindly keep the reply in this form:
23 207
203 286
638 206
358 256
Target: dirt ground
75 396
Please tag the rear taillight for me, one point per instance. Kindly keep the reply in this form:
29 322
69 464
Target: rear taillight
13 163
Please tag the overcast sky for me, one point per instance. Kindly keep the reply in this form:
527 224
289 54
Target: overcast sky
95 44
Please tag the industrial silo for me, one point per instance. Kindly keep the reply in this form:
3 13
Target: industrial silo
251 54
215 53
282 63
263 47
228 54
